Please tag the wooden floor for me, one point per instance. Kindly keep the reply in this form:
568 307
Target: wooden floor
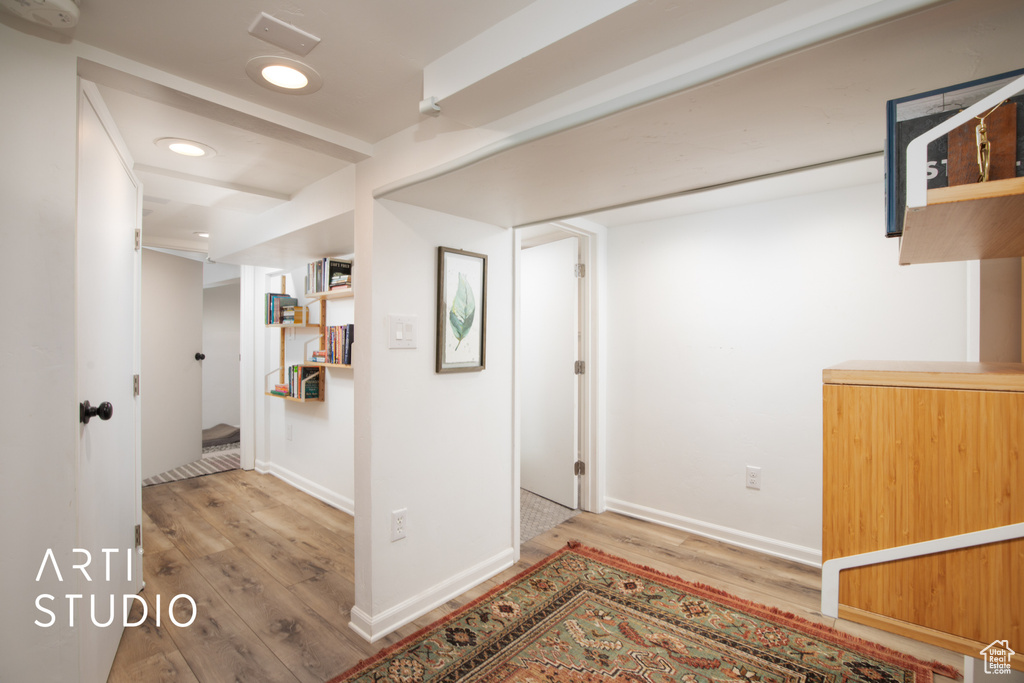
271 570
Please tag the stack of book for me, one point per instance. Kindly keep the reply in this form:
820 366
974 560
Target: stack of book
275 307
293 315
328 275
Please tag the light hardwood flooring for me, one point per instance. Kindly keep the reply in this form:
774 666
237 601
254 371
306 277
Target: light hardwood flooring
271 570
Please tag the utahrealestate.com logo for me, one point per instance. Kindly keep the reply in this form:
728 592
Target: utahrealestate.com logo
997 657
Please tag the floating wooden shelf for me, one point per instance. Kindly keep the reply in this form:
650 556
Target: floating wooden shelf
966 222
296 400
312 325
340 293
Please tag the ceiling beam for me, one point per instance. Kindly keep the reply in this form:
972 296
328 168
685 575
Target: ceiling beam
530 30
606 120
200 180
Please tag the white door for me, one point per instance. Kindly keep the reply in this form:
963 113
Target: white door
109 199
549 315
172 377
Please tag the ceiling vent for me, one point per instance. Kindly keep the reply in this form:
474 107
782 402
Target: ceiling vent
281 34
51 13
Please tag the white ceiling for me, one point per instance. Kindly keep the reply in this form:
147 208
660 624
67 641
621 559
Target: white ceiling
177 69
817 105
371 55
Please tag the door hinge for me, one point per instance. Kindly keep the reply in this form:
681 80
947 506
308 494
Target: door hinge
138 239
135 384
581 270
580 367
138 535
579 468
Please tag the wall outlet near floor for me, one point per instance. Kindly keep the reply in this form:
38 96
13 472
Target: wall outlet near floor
753 477
398 524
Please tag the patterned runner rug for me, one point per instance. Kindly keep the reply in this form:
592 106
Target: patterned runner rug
215 459
584 616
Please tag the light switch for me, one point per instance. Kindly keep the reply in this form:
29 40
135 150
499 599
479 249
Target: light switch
401 332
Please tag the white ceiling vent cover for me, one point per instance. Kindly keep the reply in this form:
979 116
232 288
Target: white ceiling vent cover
277 32
52 13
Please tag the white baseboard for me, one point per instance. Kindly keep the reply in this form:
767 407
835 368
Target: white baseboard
374 628
319 492
769 546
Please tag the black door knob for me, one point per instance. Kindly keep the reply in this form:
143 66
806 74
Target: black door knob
200 356
103 411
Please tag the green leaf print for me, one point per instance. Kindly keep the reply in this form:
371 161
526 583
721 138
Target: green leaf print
463 310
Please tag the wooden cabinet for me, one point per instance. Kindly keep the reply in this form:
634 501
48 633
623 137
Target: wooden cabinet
920 451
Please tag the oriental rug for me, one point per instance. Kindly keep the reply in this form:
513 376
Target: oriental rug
584 616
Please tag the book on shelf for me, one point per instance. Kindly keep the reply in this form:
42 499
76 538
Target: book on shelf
328 274
275 305
338 344
297 374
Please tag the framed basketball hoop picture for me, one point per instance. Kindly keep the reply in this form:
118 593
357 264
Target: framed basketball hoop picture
952 159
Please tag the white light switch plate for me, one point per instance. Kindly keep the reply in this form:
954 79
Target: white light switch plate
401 332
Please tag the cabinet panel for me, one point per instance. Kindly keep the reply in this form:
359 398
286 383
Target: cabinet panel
904 465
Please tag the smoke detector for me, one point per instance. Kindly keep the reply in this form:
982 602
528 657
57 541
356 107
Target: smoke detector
51 13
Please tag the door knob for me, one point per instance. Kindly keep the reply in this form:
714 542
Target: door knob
200 356
86 412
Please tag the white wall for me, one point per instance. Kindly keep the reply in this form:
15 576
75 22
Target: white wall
39 416
439 446
720 324
221 398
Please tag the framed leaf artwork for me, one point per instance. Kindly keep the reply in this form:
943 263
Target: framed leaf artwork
461 310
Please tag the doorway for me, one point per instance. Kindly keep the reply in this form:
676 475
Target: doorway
553 405
190 339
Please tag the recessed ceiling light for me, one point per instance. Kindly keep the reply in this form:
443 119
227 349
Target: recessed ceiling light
201 234
283 75
188 148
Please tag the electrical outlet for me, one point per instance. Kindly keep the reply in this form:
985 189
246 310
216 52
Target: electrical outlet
753 477
288 432
398 524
